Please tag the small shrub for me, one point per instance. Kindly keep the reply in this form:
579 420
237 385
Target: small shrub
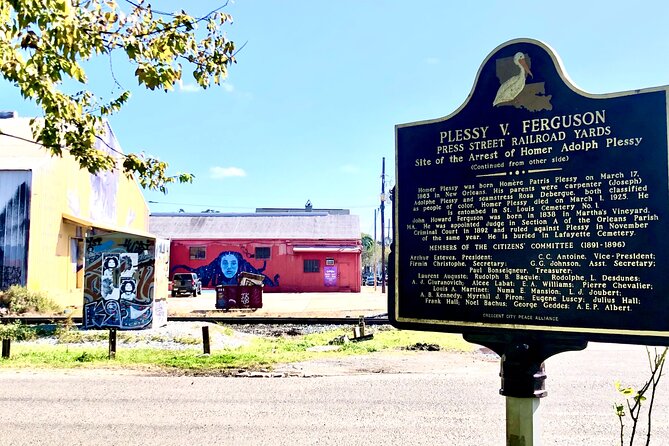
20 300
423 346
644 398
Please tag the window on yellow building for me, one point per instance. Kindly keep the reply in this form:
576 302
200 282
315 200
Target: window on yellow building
77 260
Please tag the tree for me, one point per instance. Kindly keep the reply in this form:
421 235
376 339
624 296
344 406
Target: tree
44 43
367 242
368 251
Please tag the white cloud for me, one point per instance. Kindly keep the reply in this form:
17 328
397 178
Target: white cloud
432 61
218 172
349 168
188 88
195 88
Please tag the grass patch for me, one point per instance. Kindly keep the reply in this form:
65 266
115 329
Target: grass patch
66 357
292 349
261 354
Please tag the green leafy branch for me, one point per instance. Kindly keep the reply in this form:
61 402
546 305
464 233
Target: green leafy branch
634 399
44 42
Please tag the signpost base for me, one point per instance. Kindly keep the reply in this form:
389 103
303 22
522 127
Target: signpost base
524 377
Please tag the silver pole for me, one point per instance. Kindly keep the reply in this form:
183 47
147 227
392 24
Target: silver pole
523 421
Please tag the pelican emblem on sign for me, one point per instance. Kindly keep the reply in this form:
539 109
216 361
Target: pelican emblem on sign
512 87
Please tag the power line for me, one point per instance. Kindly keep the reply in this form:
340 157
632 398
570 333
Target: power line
372 206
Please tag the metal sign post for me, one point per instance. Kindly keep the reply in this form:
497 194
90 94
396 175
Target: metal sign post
112 343
523 421
523 379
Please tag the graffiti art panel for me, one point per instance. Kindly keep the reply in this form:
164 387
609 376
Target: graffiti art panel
118 290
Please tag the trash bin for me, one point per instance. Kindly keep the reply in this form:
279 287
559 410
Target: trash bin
230 297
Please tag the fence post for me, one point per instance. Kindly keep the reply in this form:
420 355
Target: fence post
112 343
205 340
6 347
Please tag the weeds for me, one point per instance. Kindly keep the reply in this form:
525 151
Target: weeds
226 330
75 336
187 340
18 332
84 357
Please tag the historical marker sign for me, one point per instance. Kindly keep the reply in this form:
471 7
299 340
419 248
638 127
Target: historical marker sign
535 207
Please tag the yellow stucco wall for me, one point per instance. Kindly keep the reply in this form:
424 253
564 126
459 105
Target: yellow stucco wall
60 187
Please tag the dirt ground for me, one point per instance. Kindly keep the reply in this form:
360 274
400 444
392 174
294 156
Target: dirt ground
421 362
369 302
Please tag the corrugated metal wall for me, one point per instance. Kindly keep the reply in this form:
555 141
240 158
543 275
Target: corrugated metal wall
14 226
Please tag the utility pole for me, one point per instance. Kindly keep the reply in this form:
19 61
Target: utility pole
383 239
374 252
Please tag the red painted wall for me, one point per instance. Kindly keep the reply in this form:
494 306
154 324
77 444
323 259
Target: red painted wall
284 269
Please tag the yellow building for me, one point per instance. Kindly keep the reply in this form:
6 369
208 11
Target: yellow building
48 206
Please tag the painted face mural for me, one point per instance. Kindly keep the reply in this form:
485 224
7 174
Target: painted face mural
225 269
229 265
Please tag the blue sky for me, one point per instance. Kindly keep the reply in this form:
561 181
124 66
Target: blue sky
309 110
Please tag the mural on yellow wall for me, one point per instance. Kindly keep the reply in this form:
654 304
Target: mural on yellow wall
15 193
104 186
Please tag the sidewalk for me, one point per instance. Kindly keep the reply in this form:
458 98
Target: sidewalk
368 302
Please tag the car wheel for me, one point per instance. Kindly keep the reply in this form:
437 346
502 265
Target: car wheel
174 294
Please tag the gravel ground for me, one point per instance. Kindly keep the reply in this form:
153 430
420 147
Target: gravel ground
184 335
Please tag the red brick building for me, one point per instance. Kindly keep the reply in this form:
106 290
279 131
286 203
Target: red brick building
305 251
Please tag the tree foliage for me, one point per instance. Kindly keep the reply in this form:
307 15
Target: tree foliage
45 43
371 253
368 251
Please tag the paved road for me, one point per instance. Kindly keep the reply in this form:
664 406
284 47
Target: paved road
443 398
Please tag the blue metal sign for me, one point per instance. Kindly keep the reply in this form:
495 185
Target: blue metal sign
535 207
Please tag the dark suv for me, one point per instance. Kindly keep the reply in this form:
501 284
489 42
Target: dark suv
186 283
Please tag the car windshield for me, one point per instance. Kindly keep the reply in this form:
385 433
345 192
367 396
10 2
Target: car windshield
183 276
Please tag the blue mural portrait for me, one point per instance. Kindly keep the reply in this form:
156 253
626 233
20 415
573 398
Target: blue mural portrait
225 269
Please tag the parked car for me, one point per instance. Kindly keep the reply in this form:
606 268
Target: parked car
369 281
186 283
